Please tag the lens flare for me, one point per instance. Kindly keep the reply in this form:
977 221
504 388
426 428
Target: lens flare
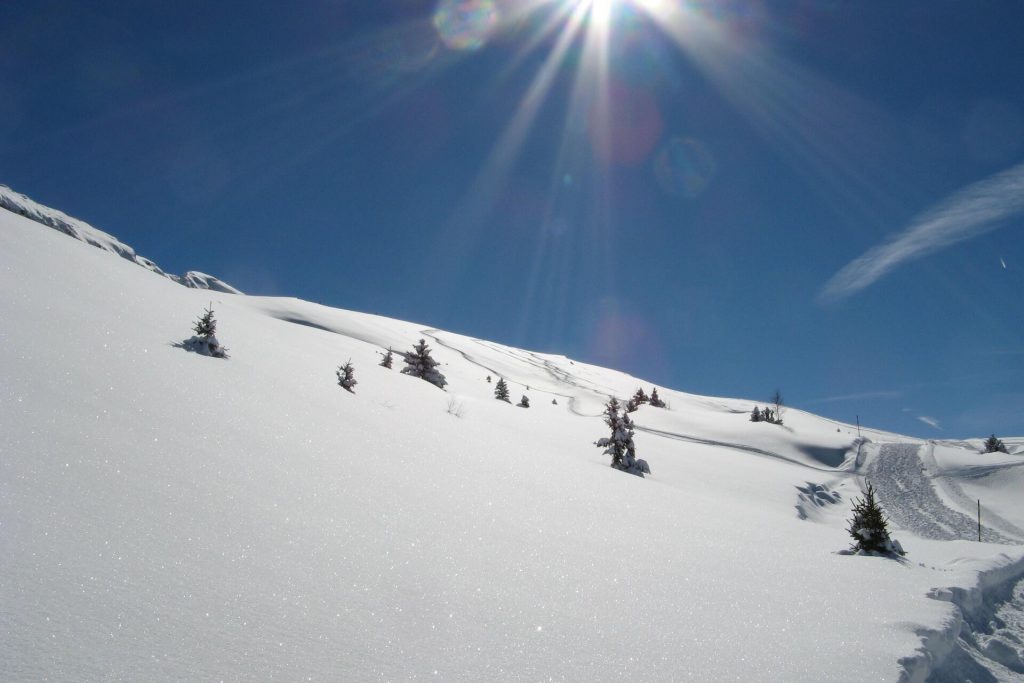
685 167
466 24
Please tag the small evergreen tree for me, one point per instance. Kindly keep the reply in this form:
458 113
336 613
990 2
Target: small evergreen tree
347 376
994 445
387 360
419 363
554 401
206 326
205 339
870 528
755 414
501 391
639 398
632 406
524 402
488 379
620 444
655 400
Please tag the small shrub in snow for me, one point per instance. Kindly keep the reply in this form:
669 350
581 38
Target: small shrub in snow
554 401
776 399
205 340
456 407
620 444
347 376
501 391
755 414
419 363
655 400
994 445
524 402
387 360
870 528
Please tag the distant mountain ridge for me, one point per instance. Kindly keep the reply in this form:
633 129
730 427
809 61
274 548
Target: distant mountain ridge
15 202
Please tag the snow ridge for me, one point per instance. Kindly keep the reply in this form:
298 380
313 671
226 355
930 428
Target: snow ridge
18 203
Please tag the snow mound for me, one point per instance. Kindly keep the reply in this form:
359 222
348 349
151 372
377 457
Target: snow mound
15 202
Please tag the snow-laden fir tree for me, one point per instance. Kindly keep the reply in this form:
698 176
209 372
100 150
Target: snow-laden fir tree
501 391
206 326
655 400
994 445
205 340
640 398
419 363
620 444
870 528
755 414
388 359
524 402
347 376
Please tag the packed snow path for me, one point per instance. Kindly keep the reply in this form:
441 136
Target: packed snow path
897 473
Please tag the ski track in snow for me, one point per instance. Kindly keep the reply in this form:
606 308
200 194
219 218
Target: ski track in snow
898 474
734 446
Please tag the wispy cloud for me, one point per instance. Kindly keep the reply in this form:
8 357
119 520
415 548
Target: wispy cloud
972 211
930 421
856 397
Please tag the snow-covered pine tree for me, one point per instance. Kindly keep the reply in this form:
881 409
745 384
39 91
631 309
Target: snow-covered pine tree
524 402
631 406
620 444
347 376
501 391
755 414
639 398
206 326
655 400
870 528
419 363
994 445
205 339
388 359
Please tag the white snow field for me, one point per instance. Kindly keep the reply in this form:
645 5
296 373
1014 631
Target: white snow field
170 516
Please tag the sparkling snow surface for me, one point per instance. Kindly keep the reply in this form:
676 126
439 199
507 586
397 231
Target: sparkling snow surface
169 516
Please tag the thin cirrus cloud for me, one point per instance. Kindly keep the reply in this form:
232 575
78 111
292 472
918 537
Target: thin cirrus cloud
930 421
968 213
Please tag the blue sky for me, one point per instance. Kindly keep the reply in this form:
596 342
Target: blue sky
723 197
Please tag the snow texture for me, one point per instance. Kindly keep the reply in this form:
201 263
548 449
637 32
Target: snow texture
165 517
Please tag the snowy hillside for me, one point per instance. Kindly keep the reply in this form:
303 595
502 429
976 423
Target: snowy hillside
80 230
170 516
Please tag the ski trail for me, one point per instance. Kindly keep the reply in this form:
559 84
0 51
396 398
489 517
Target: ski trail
734 446
555 372
952 489
910 500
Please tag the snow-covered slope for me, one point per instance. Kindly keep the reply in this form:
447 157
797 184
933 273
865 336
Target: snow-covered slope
18 203
169 516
